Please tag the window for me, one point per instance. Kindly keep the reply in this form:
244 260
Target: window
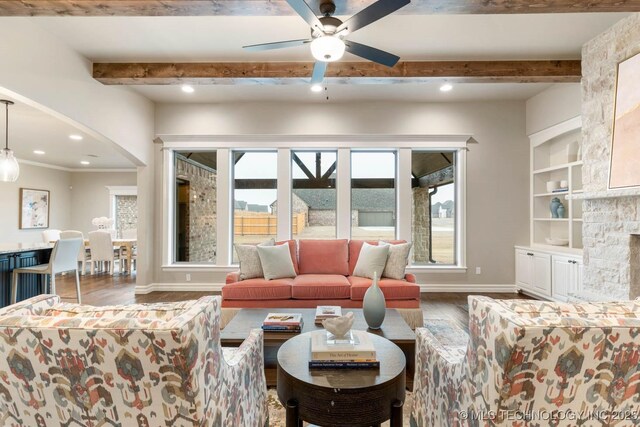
373 195
254 196
313 195
433 207
195 207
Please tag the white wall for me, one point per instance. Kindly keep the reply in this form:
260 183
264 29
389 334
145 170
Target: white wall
90 196
554 105
40 70
39 178
497 178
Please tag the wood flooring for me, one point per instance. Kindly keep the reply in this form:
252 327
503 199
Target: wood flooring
103 289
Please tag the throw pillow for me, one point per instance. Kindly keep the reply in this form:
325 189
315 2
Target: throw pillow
397 261
276 262
372 259
250 266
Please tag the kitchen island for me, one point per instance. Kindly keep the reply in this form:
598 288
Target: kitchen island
18 255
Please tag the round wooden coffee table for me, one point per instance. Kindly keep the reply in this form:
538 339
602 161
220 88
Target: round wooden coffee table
341 397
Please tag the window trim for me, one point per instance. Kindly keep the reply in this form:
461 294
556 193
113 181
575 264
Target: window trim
344 145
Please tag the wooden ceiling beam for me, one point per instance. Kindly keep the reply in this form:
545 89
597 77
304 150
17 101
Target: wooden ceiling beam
273 73
280 7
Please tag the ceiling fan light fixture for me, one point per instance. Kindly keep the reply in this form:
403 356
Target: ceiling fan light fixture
327 48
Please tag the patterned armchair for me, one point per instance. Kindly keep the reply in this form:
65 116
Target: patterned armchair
533 363
140 365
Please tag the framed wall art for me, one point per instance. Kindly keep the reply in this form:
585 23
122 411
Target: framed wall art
34 208
625 146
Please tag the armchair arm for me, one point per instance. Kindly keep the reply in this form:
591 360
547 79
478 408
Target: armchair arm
233 277
410 277
244 375
32 306
439 383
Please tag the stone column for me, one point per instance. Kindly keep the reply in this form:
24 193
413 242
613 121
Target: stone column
421 224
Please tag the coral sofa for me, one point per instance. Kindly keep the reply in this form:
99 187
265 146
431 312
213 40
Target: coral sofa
325 277
161 364
561 364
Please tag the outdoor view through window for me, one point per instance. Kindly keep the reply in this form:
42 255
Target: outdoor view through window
433 207
373 195
313 198
254 197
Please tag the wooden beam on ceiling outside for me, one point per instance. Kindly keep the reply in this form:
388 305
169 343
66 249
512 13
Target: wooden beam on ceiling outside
273 73
281 8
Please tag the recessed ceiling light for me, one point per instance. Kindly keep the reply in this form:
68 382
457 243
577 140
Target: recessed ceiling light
84 162
316 88
40 152
188 89
76 137
446 87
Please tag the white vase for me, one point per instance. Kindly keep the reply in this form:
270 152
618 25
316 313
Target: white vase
373 304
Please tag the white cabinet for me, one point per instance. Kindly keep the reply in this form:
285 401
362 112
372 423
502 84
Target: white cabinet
567 276
548 275
533 272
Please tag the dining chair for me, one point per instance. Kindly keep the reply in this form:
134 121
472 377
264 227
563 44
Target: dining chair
82 253
130 233
64 258
101 248
49 236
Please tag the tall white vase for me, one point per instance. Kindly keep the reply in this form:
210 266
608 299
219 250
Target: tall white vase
373 304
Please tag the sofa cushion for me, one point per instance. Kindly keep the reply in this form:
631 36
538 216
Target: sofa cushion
324 256
392 289
276 262
293 248
250 266
321 286
397 260
372 260
253 289
356 245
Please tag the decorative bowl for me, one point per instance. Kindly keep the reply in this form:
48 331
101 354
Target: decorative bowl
554 241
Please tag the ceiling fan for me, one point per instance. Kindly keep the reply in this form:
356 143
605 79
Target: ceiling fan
328 33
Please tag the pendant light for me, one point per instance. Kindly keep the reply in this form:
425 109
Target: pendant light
9 168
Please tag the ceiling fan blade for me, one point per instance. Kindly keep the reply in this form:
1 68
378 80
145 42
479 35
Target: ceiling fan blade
371 53
318 72
303 9
276 45
371 14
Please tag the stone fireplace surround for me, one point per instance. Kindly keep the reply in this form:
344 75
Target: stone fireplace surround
611 218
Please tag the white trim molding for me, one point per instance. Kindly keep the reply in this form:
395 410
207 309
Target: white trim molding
178 287
469 288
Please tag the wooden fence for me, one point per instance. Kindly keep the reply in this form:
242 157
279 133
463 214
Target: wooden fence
257 224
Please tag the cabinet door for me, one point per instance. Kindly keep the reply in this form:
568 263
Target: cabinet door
523 269
6 265
562 269
542 273
578 269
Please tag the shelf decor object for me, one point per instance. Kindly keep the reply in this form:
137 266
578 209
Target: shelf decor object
9 167
625 156
34 208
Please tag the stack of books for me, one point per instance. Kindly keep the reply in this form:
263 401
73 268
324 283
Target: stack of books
324 312
561 190
357 352
283 322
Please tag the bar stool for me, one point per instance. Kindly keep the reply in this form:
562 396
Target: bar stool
64 257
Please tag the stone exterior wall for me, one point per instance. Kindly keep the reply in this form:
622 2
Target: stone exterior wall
420 225
610 250
202 210
322 217
126 213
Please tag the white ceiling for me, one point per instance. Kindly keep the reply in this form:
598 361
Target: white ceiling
31 129
429 92
420 37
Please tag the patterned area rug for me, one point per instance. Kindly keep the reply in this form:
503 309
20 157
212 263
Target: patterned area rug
277 416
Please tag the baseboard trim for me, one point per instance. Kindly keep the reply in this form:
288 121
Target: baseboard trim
177 287
217 287
469 287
